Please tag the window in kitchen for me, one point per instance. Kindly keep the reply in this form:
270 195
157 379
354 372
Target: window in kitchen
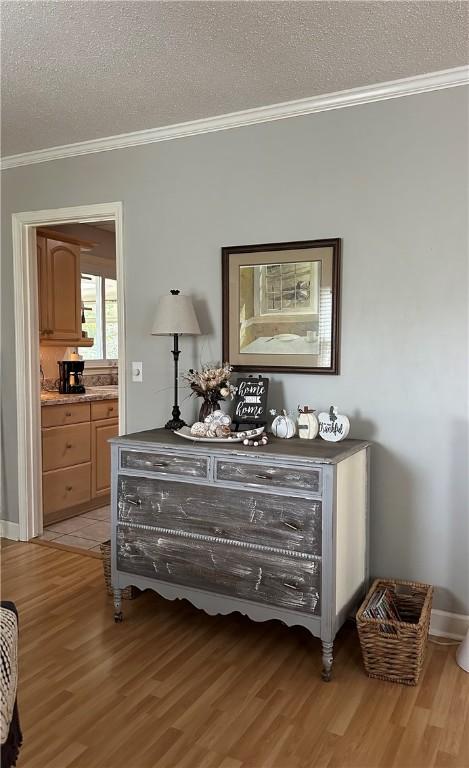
99 308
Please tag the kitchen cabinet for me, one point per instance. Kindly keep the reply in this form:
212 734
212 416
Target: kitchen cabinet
59 289
76 467
101 432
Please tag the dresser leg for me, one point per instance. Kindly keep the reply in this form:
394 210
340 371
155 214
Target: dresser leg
327 661
118 615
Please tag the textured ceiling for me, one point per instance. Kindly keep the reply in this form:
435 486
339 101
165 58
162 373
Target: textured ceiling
78 70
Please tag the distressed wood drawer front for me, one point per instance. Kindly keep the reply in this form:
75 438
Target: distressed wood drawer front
304 478
58 415
231 513
282 581
65 446
165 464
104 409
64 488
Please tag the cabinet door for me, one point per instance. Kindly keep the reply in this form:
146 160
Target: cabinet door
102 431
64 298
42 279
64 488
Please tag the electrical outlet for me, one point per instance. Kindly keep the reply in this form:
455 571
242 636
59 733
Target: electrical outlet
137 372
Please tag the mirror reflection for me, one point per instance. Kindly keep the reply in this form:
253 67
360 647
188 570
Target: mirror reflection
280 308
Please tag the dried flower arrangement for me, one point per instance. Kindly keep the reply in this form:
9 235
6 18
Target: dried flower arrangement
212 384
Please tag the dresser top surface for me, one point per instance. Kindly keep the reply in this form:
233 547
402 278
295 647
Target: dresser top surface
317 451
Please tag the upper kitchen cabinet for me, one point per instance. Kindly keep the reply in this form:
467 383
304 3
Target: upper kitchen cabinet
59 289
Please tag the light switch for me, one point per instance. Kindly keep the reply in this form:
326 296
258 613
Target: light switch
137 372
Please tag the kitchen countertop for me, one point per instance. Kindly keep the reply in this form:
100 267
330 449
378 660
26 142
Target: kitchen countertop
109 392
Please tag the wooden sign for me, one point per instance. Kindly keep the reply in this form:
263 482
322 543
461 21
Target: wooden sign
333 426
250 404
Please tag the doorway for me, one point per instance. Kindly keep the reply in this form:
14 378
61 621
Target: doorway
26 281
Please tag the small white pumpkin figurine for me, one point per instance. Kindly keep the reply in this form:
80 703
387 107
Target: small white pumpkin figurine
308 424
333 426
283 425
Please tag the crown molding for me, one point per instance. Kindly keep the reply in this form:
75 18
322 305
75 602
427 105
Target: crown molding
409 86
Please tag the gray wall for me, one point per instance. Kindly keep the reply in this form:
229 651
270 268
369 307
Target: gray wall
391 180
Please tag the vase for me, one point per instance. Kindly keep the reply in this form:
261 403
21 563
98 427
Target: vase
208 406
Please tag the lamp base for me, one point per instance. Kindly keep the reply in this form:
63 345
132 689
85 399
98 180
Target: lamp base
176 422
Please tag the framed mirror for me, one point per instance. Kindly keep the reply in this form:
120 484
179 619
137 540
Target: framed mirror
281 306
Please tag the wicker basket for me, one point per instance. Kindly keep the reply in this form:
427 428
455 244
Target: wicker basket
128 593
395 650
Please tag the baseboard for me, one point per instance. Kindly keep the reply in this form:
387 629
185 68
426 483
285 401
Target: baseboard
452 625
9 530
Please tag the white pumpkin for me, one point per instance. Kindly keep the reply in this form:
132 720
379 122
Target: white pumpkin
283 426
308 424
333 426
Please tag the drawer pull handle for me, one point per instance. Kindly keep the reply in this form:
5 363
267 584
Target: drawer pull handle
264 477
137 503
69 487
291 525
159 464
290 586
69 445
68 413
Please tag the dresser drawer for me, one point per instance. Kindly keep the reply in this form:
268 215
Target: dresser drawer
304 478
104 409
65 446
64 488
58 415
285 582
255 517
165 464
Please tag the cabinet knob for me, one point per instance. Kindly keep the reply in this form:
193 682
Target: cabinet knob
69 445
69 487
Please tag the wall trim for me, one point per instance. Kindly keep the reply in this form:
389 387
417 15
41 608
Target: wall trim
452 625
446 78
27 346
9 530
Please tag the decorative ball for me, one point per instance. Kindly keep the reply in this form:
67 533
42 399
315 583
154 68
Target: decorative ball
211 431
198 429
223 430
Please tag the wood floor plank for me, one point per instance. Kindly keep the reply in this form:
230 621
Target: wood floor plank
171 687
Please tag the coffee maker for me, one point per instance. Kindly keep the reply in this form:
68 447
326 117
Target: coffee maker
71 377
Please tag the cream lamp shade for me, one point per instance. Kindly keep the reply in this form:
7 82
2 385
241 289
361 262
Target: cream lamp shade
175 314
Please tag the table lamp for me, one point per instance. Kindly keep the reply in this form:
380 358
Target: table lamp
175 316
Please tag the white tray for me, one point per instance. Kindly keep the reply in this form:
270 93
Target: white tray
236 437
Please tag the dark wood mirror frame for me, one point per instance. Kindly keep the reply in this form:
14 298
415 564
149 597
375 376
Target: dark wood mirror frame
231 313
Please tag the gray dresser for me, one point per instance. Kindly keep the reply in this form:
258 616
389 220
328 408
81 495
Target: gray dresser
279 532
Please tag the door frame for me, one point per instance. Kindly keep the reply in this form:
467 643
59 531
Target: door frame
28 387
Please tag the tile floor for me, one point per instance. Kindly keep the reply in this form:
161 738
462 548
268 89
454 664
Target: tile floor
85 531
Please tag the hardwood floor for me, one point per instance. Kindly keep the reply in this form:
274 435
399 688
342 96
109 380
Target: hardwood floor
171 686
